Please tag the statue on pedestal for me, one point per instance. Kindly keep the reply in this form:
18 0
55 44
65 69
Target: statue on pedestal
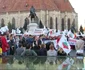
32 13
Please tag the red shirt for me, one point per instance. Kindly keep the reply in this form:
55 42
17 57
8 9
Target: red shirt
5 45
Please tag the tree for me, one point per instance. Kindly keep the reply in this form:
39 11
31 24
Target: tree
73 30
10 27
25 24
13 25
81 29
2 24
41 25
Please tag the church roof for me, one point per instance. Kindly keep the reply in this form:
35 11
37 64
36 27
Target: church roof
64 5
25 5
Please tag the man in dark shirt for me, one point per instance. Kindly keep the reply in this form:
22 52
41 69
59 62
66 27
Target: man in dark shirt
28 51
19 50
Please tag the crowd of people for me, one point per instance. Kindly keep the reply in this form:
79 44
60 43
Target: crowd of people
28 45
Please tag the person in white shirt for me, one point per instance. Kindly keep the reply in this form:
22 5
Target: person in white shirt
51 51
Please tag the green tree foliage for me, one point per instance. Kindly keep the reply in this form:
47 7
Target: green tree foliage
13 25
25 24
2 24
81 29
73 30
10 27
41 25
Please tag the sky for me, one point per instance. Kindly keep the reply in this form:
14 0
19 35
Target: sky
79 6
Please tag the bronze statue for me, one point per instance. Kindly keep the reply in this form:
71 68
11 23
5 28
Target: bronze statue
32 13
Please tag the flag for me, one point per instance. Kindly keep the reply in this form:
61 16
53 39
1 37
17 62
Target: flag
52 32
6 27
45 30
65 32
66 65
63 43
18 31
70 34
58 33
75 35
13 31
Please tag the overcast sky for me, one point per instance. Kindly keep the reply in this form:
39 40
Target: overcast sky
79 6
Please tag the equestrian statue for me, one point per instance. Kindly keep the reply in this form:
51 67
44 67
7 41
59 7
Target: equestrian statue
32 13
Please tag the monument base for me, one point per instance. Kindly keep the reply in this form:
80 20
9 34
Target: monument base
32 26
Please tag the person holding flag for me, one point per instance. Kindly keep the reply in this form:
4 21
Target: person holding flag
63 43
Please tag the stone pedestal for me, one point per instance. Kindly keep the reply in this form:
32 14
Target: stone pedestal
32 26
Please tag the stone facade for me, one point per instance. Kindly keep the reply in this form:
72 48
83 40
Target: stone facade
48 18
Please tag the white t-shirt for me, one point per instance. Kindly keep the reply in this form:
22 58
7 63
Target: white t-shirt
51 53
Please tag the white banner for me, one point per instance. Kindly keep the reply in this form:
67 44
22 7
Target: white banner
37 32
72 41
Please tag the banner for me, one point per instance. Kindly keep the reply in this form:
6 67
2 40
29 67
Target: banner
72 41
70 34
37 32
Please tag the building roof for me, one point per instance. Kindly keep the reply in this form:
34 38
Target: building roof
25 5
64 5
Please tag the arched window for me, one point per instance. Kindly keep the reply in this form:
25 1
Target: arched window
56 24
13 20
13 23
73 26
68 24
74 22
51 23
62 24
2 22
